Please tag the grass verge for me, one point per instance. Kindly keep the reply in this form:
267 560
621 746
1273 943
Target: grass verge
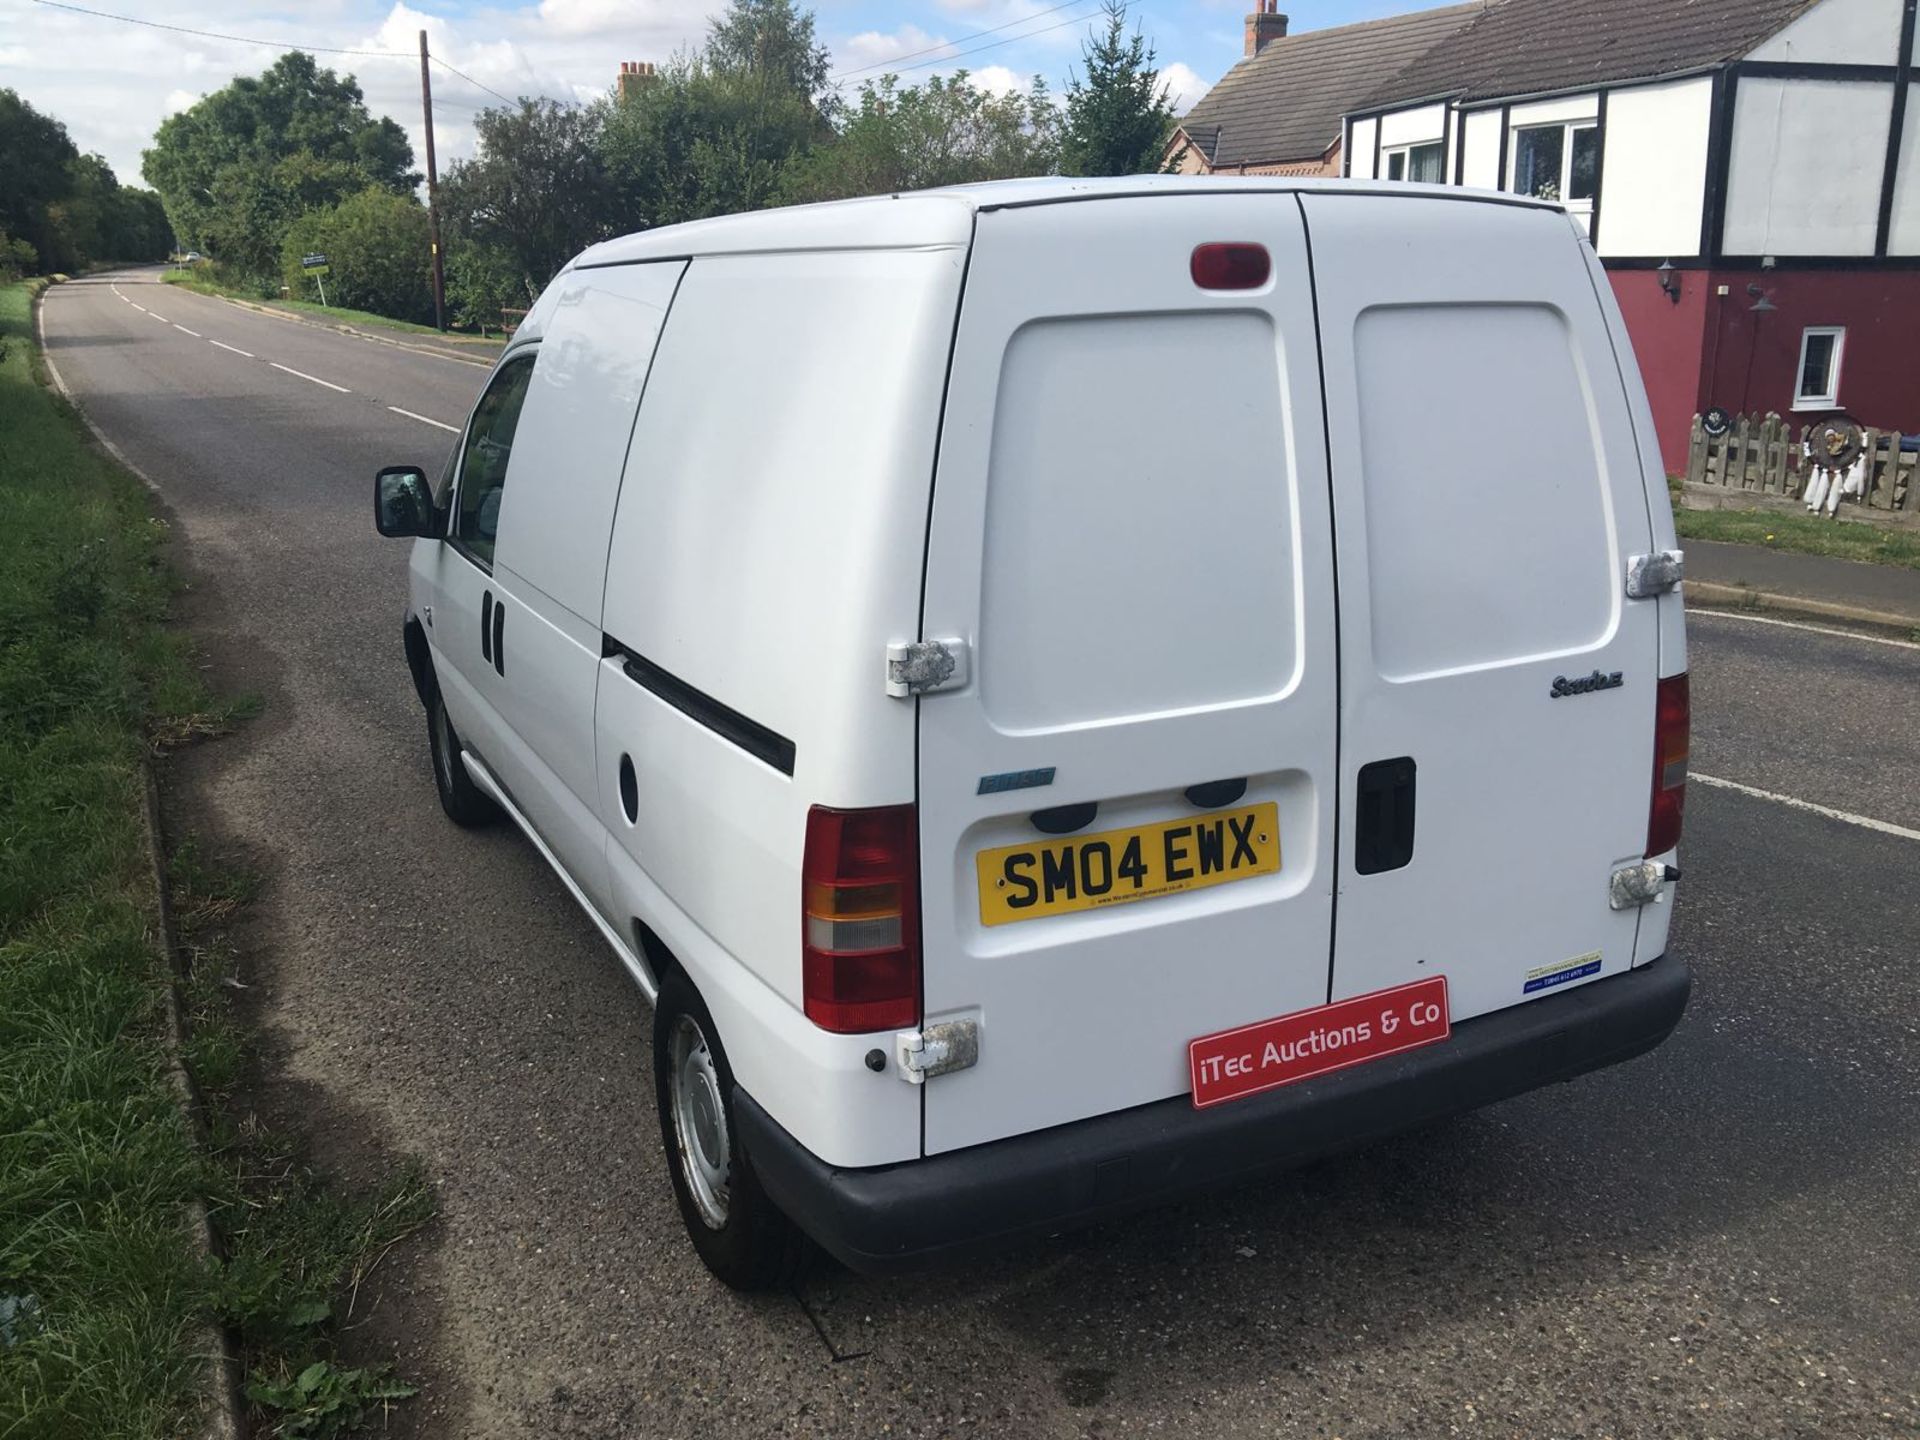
105 1299
1841 538
98 1276
206 284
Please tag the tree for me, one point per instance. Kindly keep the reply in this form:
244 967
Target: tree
236 169
35 154
942 132
1120 116
769 38
536 190
714 133
377 253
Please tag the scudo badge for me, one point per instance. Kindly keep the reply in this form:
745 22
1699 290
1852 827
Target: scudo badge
1586 684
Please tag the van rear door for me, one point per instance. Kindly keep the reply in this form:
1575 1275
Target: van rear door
1497 685
1126 812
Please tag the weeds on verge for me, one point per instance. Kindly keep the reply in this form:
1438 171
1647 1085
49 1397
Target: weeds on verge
104 1299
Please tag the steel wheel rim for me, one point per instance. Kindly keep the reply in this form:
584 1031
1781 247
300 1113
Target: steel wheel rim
704 1153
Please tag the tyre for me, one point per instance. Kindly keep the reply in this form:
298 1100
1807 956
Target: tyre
465 802
739 1232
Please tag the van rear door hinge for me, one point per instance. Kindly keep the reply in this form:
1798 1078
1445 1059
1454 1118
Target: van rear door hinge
937 1049
924 667
1655 574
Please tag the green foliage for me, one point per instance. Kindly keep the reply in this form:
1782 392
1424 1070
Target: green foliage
97 1279
941 132
66 208
17 258
323 1400
769 38
236 169
483 280
376 244
1119 117
536 192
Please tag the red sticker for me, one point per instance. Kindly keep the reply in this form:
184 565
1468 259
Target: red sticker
1236 1063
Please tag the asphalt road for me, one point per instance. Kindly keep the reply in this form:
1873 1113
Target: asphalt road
1721 1239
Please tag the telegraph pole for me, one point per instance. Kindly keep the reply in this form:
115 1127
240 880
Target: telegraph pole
433 194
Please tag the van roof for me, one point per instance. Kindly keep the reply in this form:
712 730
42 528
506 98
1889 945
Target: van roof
918 219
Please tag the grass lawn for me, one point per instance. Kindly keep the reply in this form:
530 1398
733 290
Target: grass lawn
1843 539
207 285
104 1302
98 1281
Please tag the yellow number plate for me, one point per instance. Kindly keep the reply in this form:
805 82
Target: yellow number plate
1085 872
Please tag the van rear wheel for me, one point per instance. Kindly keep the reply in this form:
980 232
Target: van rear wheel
465 802
739 1233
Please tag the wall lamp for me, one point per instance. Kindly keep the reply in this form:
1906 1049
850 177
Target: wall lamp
1669 281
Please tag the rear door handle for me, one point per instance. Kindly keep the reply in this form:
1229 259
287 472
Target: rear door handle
486 627
1383 820
499 638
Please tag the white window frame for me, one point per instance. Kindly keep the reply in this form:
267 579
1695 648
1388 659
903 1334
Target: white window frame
1831 399
1582 208
1388 152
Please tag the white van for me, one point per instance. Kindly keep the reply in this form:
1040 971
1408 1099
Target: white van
1064 694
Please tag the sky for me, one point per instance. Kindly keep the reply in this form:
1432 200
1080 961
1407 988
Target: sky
112 82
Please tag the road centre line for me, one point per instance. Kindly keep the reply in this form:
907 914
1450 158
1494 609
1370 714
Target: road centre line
1864 822
1798 625
314 378
141 308
158 316
184 331
234 348
424 420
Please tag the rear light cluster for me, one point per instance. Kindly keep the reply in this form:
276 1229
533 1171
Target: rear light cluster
1230 265
1671 727
860 919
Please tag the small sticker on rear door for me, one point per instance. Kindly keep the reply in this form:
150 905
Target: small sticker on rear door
1546 977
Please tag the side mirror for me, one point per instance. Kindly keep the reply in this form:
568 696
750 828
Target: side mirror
403 503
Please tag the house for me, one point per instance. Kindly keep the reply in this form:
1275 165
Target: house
1747 170
1280 110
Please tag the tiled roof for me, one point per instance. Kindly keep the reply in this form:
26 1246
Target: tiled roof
1287 102
1526 47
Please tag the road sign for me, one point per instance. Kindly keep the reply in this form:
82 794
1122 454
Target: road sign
316 264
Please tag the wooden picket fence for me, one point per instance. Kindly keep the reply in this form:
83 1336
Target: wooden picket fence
1761 464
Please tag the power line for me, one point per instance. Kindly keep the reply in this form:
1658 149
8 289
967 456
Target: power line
218 35
949 44
269 44
995 44
471 81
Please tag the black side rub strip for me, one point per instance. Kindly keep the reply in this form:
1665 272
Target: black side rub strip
766 746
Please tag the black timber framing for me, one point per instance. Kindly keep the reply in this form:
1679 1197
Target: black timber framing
1896 129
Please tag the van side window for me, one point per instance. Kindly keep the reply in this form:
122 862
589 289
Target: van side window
483 461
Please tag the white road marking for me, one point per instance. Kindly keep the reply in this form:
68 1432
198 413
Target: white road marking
141 308
184 331
158 316
235 348
424 420
1865 822
314 378
1810 629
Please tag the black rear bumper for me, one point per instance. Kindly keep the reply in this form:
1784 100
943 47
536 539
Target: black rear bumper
897 1216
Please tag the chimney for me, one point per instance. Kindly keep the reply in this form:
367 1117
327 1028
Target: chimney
635 73
1265 24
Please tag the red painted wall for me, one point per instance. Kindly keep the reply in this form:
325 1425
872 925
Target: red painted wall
1751 360
1668 341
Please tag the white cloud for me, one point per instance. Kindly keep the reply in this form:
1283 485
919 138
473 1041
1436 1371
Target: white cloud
178 100
872 47
999 80
1182 86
